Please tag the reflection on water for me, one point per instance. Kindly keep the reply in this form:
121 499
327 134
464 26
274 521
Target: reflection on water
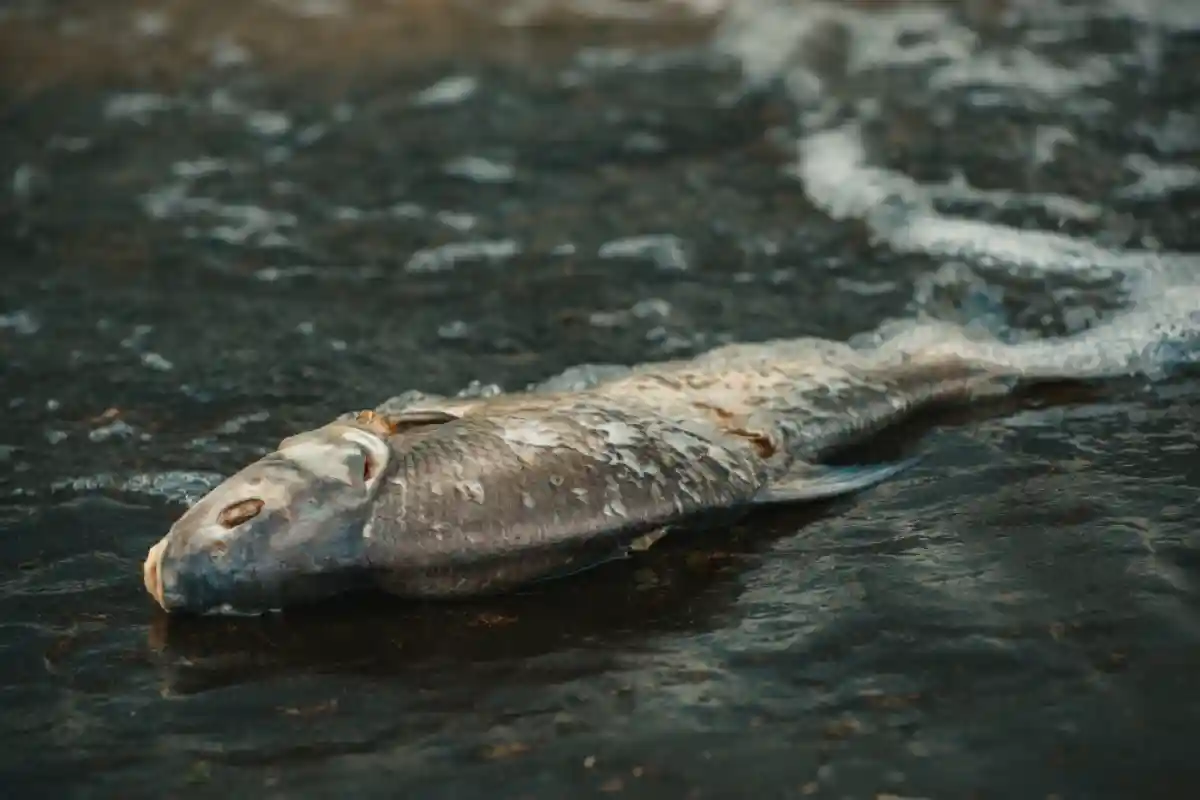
230 222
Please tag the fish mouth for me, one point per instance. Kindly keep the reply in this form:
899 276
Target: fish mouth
179 590
173 603
152 573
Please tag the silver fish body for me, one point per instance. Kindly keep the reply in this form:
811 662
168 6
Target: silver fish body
437 497
522 486
493 500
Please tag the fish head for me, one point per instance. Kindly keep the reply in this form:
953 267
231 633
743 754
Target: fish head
287 528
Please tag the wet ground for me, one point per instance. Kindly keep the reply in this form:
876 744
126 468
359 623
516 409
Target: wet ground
227 222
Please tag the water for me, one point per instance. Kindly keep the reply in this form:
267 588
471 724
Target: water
228 224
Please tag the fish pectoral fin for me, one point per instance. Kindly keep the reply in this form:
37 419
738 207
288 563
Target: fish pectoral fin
639 545
647 540
812 482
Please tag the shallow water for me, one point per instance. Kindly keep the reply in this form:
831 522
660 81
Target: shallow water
226 223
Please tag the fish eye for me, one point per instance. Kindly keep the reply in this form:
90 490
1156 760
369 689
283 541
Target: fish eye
242 511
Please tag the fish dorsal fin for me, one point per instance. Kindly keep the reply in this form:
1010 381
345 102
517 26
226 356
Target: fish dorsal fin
401 421
811 482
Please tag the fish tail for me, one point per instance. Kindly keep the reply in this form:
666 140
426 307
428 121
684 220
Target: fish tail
1154 337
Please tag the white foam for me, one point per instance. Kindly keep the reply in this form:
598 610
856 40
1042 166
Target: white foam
447 256
1155 181
226 52
1176 15
480 169
651 308
21 322
156 361
268 123
1046 141
898 211
314 8
777 40
1057 205
1177 134
667 251
1025 70
199 167
527 12
178 486
136 106
772 39
455 330
353 274
151 24
448 91
457 220
238 224
237 424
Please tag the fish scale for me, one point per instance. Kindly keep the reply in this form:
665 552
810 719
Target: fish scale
565 489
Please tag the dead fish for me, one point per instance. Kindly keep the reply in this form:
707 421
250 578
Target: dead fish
442 497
